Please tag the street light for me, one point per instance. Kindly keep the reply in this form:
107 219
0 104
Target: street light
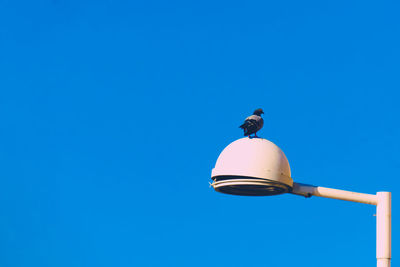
257 167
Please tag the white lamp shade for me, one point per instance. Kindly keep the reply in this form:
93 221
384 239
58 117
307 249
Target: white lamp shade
252 166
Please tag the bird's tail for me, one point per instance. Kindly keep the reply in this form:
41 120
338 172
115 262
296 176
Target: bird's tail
248 127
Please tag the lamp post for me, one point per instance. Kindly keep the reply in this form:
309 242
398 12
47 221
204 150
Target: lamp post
257 167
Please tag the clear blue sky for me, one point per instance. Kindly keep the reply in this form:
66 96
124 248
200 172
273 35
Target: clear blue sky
113 114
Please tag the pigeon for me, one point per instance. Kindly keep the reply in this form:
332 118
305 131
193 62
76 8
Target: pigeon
253 123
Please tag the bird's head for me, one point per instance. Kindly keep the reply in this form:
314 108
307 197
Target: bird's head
258 112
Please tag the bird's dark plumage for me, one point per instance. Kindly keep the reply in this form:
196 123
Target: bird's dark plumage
253 123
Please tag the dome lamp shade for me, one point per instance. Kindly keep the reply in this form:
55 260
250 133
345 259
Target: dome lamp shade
252 167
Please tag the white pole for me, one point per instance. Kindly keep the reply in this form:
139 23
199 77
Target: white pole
382 200
311 190
383 229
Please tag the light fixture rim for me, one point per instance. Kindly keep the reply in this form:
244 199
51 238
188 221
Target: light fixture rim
237 185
